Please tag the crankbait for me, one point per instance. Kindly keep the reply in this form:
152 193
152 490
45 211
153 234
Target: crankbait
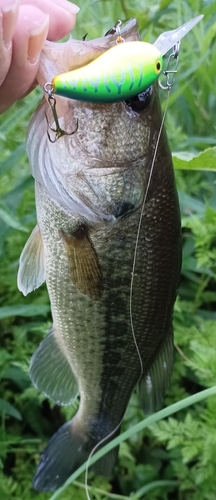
120 73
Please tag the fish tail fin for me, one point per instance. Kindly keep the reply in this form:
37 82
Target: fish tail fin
67 450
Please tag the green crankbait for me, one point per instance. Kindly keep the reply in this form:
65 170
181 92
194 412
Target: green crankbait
120 73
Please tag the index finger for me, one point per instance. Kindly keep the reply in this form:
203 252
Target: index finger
62 16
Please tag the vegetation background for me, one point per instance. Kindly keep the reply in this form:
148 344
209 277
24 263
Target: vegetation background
176 458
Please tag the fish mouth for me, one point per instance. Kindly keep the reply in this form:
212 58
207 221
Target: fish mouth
111 138
140 102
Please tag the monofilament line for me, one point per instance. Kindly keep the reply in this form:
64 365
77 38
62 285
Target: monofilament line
92 453
131 293
138 235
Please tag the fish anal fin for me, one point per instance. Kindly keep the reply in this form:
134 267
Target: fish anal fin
83 261
153 385
31 272
51 372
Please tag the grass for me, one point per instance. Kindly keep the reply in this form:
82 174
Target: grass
175 457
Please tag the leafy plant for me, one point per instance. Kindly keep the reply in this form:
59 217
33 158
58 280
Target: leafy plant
175 457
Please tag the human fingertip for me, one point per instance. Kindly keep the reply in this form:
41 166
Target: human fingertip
11 5
9 18
36 40
71 7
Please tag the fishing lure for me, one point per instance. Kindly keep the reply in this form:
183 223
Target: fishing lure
123 71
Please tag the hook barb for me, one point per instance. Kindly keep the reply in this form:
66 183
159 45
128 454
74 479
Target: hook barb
59 132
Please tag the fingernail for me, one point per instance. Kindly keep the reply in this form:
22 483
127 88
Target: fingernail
36 40
71 7
9 19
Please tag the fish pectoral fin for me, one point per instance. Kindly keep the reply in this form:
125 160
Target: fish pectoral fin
51 372
83 261
153 385
31 272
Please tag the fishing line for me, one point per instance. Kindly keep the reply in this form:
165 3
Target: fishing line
169 73
138 234
131 293
92 453
169 84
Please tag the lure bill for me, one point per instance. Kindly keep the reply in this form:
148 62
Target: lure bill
169 39
124 70
121 72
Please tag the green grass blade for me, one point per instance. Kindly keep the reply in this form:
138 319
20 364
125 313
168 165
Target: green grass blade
190 161
8 217
13 159
8 409
147 422
154 484
18 116
26 310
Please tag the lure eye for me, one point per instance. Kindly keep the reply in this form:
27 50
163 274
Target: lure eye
158 67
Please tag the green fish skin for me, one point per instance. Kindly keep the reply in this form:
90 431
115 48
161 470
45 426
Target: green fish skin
89 192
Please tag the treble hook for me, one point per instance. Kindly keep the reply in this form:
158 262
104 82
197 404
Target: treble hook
116 30
58 130
168 72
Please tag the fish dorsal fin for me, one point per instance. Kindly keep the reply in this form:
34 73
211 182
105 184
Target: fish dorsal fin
51 372
154 384
31 272
83 261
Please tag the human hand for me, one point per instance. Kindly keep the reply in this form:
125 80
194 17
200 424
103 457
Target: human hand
24 27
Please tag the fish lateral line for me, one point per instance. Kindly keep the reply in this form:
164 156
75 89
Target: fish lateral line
133 274
146 385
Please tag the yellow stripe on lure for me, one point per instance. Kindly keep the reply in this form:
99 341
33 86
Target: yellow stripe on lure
121 72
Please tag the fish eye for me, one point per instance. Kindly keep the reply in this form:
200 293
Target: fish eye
158 67
141 101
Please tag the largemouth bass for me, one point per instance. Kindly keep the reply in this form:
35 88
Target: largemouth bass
90 188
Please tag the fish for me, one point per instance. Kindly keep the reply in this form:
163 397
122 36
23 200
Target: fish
89 189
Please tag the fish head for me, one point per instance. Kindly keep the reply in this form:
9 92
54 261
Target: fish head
100 169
